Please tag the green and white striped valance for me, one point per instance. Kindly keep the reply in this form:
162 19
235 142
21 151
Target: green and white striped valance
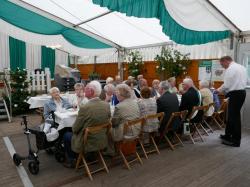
157 9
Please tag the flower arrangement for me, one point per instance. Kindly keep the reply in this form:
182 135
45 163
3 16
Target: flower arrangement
135 63
171 63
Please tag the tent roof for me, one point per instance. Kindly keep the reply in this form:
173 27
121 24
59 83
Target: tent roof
129 31
235 11
114 29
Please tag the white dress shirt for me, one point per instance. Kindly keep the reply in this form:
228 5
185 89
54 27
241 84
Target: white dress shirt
235 78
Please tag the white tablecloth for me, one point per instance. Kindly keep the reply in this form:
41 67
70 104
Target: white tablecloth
65 119
68 118
39 101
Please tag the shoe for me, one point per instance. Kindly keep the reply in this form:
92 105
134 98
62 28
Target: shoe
225 137
229 143
70 164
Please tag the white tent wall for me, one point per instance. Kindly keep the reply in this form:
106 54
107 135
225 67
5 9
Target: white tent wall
243 57
33 56
4 51
213 50
111 57
61 57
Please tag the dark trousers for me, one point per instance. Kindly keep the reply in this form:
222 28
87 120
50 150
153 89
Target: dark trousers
233 127
67 146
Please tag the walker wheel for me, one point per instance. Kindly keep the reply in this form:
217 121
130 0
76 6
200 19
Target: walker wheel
16 159
33 167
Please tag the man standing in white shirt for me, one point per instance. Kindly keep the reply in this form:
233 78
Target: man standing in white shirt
235 81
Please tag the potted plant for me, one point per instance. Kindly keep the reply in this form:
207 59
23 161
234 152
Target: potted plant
171 63
94 76
135 63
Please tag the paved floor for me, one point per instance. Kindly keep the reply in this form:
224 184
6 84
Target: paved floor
203 164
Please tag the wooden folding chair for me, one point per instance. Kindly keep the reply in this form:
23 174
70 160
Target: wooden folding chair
169 128
219 116
158 116
122 145
197 122
206 118
93 130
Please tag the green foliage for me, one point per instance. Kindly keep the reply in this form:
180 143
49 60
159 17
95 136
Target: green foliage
19 91
171 63
135 63
94 76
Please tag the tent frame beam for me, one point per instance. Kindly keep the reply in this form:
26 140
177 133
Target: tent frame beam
93 18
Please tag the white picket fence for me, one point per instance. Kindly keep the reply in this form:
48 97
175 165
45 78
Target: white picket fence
39 81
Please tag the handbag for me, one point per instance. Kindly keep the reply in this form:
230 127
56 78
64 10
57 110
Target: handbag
186 129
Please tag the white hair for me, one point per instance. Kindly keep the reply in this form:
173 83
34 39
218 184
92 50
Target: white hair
188 82
164 85
204 84
79 85
124 90
109 86
51 90
109 80
96 86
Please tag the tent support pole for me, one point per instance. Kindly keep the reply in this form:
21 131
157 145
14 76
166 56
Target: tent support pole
120 65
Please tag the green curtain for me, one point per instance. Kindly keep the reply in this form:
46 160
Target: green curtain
36 23
17 50
157 9
48 59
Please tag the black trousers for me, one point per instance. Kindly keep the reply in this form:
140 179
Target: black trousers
233 127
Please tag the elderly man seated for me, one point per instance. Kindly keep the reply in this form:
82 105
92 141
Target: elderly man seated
56 103
190 98
127 109
78 98
167 103
93 113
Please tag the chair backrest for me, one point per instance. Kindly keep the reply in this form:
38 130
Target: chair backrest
158 116
175 115
95 130
183 115
195 111
129 124
223 105
210 109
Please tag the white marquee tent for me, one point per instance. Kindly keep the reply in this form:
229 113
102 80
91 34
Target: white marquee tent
192 26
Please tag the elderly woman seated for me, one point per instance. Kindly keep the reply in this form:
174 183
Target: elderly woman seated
207 96
56 103
127 109
110 96
148 106
78 98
